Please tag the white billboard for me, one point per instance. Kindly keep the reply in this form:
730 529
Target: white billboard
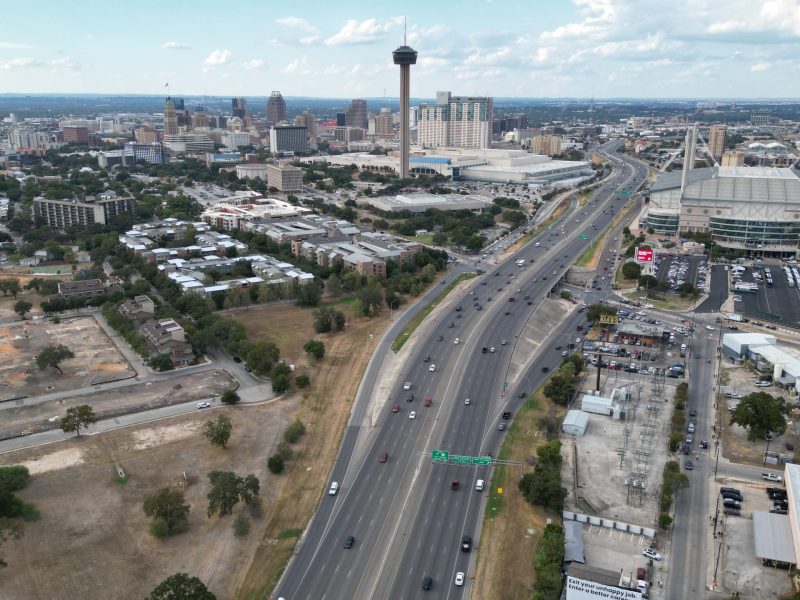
580 589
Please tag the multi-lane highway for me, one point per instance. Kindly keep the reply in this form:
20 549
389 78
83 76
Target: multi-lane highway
407 522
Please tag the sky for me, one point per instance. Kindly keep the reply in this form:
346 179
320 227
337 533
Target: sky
342 49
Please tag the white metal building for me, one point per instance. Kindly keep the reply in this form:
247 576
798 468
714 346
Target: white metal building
596 404
575 422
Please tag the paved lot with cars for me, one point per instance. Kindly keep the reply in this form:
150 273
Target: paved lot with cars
677 270
778 297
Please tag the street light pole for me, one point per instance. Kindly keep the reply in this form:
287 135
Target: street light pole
716 462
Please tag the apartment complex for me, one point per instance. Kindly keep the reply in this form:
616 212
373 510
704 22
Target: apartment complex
166 336
63 214
461 122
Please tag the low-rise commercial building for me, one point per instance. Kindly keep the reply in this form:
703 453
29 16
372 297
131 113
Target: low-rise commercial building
86 288
228 217
768 359
423 202
285 177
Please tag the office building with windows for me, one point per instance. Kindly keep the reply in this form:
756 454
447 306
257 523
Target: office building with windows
239 108
63 214
170 117
276 108
285 177
716 141
356 115
288 139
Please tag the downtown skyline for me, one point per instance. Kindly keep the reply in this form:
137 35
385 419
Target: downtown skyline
600 48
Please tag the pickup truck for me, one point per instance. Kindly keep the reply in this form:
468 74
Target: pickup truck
772 477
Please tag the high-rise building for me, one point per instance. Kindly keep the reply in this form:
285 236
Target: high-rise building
286 139
461 122
357 114
384 127
152 154
63 214
75 133
285 177
413 116
548 145
276 108
145 134
716 140
239 107
170 117
733 158
27 138
200 118
341 119
308 121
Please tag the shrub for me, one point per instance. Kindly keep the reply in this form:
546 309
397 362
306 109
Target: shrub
275 463
285 451
294 432
302 381
158 529
280 384
229 397
664 521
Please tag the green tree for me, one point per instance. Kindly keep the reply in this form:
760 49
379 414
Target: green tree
302 381
351 281
261 357
181 586
161 362
647 282
281 383
631 270
428 273
547 563
10 286
543 486
315 349
218 431
761 414
664 521
339 320
566 294
323 319
229 397
169 511
77 418
371 297
275 463
334 285
228 489
52 356
241 525
309 294
439 238
595 310
562 384
21 307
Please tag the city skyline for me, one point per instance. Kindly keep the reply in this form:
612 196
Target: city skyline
600 48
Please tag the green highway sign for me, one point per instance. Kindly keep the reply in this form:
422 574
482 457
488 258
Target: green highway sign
583 236
481 460
462 460
440 455
505 385
623 193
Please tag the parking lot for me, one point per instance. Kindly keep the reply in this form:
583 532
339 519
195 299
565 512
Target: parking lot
778 302
677 270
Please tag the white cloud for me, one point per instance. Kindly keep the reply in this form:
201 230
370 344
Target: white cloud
467 74
19 63
64 63
294 66
255 63
15 46
296 23
175 46
484 57
432 62
309 40
761 66
768 15
364 32
333 70
726 26
218 58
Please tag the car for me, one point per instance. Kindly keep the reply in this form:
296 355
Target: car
349 541
545 369
455 341
432 368
428 401
564 353
454 485
426 359
452 324
407 385
501 426
203 404
396 408
577 340
763 384
491 350
459 581
688 465
334 488
427 583
508 312
708 361
651 554
709 327
689 438
693 412
503 342
466 543
690 429
704 444
412 414
383 457
772 477
789 446
466 401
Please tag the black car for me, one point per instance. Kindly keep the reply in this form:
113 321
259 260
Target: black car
693 413
545 369
349 541
427 583
507 414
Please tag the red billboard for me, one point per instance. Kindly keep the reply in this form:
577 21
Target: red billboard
644 255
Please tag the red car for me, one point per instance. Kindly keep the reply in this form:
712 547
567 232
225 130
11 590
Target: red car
428 401
383 457
396 408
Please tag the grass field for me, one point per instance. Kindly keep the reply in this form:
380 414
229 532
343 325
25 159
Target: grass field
403 336
512 528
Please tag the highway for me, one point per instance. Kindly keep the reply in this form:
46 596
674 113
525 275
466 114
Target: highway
406 520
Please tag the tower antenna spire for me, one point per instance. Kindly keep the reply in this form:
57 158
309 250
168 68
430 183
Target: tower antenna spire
404 31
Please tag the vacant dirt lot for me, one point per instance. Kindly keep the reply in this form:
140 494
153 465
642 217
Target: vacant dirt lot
96 357
92 539
32 418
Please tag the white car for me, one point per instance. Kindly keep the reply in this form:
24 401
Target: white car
334 488
203 404
407 385
650 553
466 402
412 414
491 350
455 341
577 340
459 579
763 384
432 368
709 327
772 477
